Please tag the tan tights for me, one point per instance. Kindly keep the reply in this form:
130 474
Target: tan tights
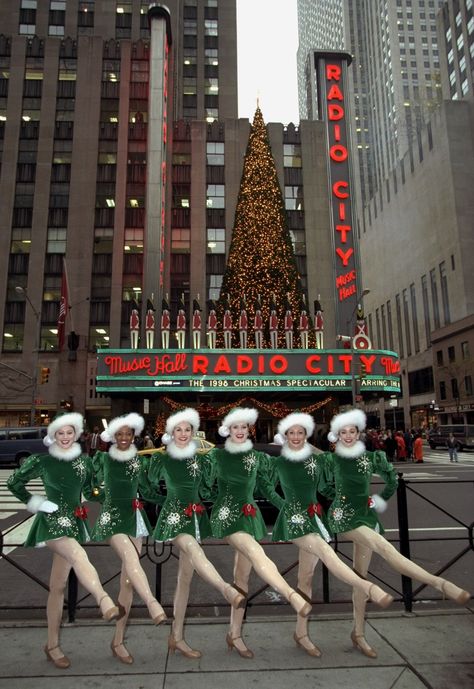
69 554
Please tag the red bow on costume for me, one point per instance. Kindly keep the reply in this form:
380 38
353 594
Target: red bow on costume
81 512
249 510
194 507
137 504
315 508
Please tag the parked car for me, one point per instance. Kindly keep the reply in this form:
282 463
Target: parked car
16 444
463 433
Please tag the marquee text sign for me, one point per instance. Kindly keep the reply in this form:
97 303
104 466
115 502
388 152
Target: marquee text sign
246 370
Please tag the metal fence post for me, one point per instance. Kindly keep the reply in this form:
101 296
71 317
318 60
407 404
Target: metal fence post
72 591
404 539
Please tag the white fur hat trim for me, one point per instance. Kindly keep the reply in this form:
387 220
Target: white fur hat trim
237 415
131 420
279 439
297 419
190 415
73 419
354 417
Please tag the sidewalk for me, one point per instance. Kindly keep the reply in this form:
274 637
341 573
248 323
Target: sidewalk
433 650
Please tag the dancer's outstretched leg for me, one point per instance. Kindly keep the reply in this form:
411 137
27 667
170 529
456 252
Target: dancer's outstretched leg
86 573
378 544
206 569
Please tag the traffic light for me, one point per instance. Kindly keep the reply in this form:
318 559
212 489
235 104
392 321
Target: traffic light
44 375
362 371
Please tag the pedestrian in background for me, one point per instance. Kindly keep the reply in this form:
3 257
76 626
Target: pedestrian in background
452 446
418 449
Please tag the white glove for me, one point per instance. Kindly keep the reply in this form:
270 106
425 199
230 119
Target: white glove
377 503
48 506
38 503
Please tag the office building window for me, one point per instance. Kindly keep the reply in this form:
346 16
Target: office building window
401 349
465 350
215 284
442 390
451 354
214 153
426 309
468 386
180 240
292 155
439 357
390 325
454 388
215 241
215 196
414 315
294 198
406 316
444 292
434 299
211 27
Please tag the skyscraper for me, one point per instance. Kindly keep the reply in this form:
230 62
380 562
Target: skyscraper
456 29
395 74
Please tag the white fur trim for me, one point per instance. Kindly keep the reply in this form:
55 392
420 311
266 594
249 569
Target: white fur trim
297 455
65 455
235 448
379 504
279 439
190 415
132 420
352 452
122 455
238 415
181 452
306 421
223 431
34 503
332 438
353 417
166 438
73 419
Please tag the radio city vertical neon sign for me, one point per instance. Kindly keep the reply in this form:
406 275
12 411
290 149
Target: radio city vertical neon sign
331 70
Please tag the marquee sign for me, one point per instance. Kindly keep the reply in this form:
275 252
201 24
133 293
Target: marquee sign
147 370
331 70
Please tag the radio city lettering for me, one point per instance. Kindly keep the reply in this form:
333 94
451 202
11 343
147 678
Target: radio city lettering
286 370
338 153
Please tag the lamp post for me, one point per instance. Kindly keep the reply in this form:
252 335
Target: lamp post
34 377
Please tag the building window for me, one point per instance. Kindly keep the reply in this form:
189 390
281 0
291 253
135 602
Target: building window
215 196
454 388
215 241
414 316
180 240
444 292
214 153
211 27
56 243
465 350
215 284
85 14
406 316
468 386
426 309
211 87
298 240
292 155
442 390
439 357
399 327
390 325
294 198
451 354
434 298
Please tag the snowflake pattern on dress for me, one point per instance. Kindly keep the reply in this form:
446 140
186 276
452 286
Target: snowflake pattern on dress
175 516
342 514
249 461
193 466
80 467
228 512
133 467
311 466
295 515
364 465
109 518
62 522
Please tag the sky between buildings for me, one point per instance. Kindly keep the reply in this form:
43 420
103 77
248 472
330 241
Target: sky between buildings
267 41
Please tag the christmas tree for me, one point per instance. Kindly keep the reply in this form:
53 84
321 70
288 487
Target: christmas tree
261 265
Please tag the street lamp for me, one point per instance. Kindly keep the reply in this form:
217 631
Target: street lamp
34 378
